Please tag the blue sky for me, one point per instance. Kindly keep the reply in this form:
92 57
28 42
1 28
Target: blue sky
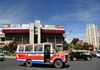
74 15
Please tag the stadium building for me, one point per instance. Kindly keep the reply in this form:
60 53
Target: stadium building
34 33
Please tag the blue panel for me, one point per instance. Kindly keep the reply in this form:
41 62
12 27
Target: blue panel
32 53
20 60
38 62
28 53
51 62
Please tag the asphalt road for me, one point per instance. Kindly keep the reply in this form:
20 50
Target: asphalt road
11 64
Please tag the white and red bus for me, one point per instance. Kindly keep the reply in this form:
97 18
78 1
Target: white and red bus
43 53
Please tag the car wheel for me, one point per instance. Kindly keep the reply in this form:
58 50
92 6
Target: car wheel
58 64
74 59
29 63
88 58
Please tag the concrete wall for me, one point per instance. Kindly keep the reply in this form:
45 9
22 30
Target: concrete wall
31 34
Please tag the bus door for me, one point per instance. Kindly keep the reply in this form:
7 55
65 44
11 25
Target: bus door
46 53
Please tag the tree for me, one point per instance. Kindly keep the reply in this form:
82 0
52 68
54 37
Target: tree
78 47
11 47
15 46
5 48
85 45
69 46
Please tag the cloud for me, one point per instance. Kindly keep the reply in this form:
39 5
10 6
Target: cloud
85 16
11 15
84 11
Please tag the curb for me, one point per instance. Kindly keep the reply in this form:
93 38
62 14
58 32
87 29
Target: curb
9 56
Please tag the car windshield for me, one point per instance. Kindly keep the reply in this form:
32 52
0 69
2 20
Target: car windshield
98 52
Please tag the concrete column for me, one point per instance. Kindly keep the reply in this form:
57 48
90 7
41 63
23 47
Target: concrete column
39 35
31 33
37 24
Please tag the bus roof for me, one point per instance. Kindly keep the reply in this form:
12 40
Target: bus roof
37 43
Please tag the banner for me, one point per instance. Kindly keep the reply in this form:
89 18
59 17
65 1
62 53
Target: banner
51 26
24 25
7 42
48 26
15 26
59 27
6 26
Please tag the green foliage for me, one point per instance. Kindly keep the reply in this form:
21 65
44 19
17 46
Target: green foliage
15 45
79 47
7 54
5 48
69 46
11 47
85 45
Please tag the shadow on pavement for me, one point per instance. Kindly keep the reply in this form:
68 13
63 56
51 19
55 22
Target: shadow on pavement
66 66
79 60
2 60
44 66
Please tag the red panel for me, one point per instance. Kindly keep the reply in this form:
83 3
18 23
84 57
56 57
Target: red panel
15 30
52 31
27 31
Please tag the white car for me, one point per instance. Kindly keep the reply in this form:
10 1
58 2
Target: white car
98 54
1 56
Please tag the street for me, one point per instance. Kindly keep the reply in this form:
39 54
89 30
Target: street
11 64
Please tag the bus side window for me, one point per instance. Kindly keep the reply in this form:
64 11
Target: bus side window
38 48
21 48
35 48
28 48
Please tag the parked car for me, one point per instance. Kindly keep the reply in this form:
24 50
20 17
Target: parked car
79 55
93 54
98 54
1 56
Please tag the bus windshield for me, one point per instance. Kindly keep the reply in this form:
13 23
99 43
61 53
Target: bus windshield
54 48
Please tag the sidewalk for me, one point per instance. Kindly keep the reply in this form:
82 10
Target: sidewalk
10 56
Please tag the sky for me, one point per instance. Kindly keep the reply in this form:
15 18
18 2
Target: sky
73 15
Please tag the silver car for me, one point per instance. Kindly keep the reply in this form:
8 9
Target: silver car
98 54
1 56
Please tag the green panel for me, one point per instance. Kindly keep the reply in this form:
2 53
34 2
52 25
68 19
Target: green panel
16 34
52 34
51 26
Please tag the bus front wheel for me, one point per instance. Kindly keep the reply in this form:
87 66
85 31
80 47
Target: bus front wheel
29 63
58 64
